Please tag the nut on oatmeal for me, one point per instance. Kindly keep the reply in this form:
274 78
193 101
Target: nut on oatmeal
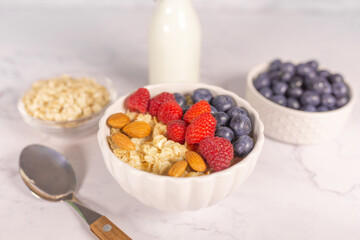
118 120
65 98
178 168
153 153
195 161
122 141
137 129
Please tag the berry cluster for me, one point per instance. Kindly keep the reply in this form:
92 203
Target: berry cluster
232 122
214 126
303 86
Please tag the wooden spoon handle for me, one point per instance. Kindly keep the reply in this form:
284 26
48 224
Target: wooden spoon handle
104 229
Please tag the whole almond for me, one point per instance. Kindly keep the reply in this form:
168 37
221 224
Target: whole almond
195 161
137 129
118 120
178 168
123 141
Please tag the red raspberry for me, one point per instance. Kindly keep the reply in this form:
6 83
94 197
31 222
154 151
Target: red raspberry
218 152
203 126
176 131
159 99
138 101
169 111
196 110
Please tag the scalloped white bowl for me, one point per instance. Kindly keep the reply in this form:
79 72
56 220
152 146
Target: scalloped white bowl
294 126
180 194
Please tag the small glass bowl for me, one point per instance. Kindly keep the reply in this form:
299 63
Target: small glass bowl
73 128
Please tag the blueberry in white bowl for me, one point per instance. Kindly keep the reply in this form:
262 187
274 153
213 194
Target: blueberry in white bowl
311 107
202 94
303 83
222 103
180 99
224 132
222 118
236 111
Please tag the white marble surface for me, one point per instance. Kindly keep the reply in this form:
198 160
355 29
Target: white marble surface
294 193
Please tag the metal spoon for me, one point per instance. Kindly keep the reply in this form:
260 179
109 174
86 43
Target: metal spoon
49 176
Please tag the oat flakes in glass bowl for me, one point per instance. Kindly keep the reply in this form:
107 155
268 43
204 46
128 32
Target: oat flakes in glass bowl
66 105
179 193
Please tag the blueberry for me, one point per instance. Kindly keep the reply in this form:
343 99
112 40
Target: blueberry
275 75
339 89
310 98
293 103
303 69
225 132
309 108
180 99
318 85
243 146
236 111
328 100
286 76
296 82
213 109
311 76
262 80
275 65
294 92
185 108
322 109
279 88
222 118
240 124
334 78
279 99
342 101
288 67
327 88
202 94
223 102
313 64
324 73
266 92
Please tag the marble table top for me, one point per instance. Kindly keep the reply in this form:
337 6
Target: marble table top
295 192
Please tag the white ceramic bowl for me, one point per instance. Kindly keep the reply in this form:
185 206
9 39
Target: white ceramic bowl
180 194
294 126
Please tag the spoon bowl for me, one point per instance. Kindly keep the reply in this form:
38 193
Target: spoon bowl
47 173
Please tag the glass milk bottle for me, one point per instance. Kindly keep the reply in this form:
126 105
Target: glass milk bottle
174 43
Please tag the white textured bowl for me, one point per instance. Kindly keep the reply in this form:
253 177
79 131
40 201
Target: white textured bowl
180 194
294 126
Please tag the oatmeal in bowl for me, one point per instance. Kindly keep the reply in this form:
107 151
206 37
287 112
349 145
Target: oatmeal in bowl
170 146
66 105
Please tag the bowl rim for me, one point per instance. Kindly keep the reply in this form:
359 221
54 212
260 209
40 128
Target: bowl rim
262 66
256 150
105 81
